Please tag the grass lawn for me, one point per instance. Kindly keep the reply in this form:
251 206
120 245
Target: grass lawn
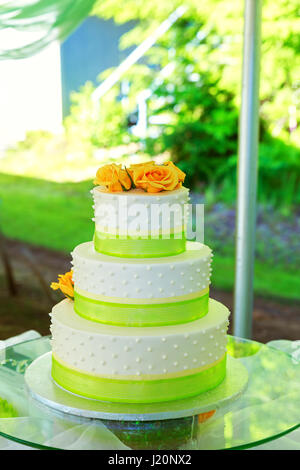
58 216
54 215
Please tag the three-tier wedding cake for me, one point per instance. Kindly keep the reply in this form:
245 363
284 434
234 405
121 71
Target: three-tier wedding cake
138 325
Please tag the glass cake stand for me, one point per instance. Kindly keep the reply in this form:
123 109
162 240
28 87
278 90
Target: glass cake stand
267 407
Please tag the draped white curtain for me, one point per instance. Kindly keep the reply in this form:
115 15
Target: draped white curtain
37 23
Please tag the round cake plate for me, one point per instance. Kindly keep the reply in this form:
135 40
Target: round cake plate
43 389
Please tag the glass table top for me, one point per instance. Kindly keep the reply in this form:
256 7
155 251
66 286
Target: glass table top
268 408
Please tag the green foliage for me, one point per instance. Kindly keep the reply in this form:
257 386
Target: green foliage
7 410
193 73
55 157
100 126
202 120
278 177
279 173
280 69
33 139
106 124
199 99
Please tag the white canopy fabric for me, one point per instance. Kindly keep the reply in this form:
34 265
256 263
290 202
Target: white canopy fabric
38 22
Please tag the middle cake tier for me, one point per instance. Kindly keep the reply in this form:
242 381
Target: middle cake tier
141 292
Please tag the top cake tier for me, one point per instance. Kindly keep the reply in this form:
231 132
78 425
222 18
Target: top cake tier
139 224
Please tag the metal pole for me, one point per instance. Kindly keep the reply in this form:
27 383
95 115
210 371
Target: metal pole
247 171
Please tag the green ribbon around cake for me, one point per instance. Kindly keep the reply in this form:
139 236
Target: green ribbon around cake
142 314
139 247
138 390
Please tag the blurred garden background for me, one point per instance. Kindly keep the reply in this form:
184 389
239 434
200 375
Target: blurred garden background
62 115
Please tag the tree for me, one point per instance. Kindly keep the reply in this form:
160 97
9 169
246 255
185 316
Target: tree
280 71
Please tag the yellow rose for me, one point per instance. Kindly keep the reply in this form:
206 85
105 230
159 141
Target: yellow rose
181 174
155 178
136 166
113 177
65 284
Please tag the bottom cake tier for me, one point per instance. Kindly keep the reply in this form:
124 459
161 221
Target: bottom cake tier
138 364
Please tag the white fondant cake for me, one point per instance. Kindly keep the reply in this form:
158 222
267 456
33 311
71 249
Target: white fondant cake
153 280
136 212
126 351
141 327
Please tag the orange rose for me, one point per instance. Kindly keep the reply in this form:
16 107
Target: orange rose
136 166
181 174
65 284
113 177
205 416
155 178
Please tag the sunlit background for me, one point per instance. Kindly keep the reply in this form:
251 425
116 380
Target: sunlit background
139 80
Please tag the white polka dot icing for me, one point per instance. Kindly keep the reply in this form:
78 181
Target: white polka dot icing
101 349
116 279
